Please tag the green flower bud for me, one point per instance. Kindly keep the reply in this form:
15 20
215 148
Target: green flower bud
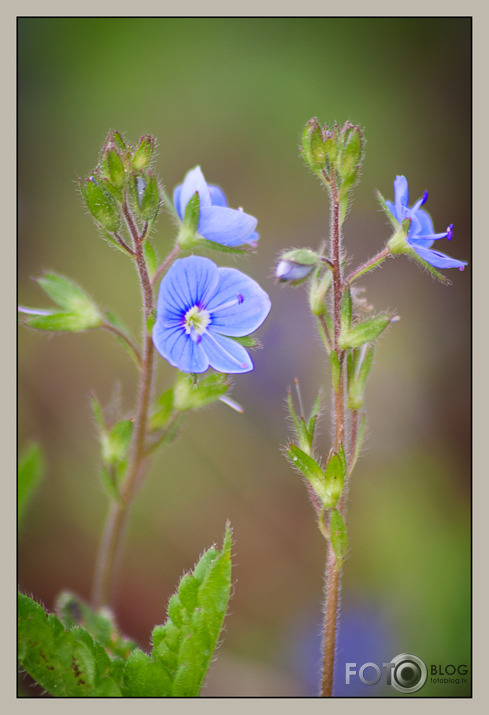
313 149
146 198
295 266
143 154
112 168
101 204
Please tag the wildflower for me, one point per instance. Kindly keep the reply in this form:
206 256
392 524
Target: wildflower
420 236
200 309
217 222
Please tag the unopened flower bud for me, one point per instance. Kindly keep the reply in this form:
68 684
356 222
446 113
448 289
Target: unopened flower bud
143 154
145 194
296 265
101 204
313 150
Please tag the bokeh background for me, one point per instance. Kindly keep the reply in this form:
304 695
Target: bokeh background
233 94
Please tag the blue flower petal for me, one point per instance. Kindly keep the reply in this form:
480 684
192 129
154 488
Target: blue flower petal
177 193
179 349
224 354
194 182
437 259
190 281
229 227
217 196
401 194
239 305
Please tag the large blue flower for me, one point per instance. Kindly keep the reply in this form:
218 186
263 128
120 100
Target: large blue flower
217 222
421 235
199 306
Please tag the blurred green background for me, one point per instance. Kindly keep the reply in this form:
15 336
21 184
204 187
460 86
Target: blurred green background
233 95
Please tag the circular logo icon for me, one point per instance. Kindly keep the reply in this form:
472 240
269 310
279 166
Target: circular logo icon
409 673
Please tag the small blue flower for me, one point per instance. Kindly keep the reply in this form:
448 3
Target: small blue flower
421 235
199 306
217 222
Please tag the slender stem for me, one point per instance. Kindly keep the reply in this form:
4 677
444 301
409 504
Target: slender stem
126 339
372 263
332 589
333 571
112 539
161 269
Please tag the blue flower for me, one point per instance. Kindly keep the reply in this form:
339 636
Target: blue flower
217 222
200 309
420 236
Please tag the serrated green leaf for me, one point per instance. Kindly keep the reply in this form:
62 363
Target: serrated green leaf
338 535
184 646
188 592
29 474
65 663
145 678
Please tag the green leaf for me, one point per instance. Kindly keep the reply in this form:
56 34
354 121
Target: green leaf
334 478
338 535
246 341
335 370
346 310
311 470
184 645
79 312
29 475
145 677
150 258
64 663
163 409
313 417
359 364
191 394
364 332
116 441
63 322
73 611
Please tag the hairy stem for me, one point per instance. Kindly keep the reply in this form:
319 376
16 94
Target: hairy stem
333 572
112 539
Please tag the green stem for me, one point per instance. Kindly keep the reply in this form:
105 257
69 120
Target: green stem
369 265
333 572
113 536
126 339
168 260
